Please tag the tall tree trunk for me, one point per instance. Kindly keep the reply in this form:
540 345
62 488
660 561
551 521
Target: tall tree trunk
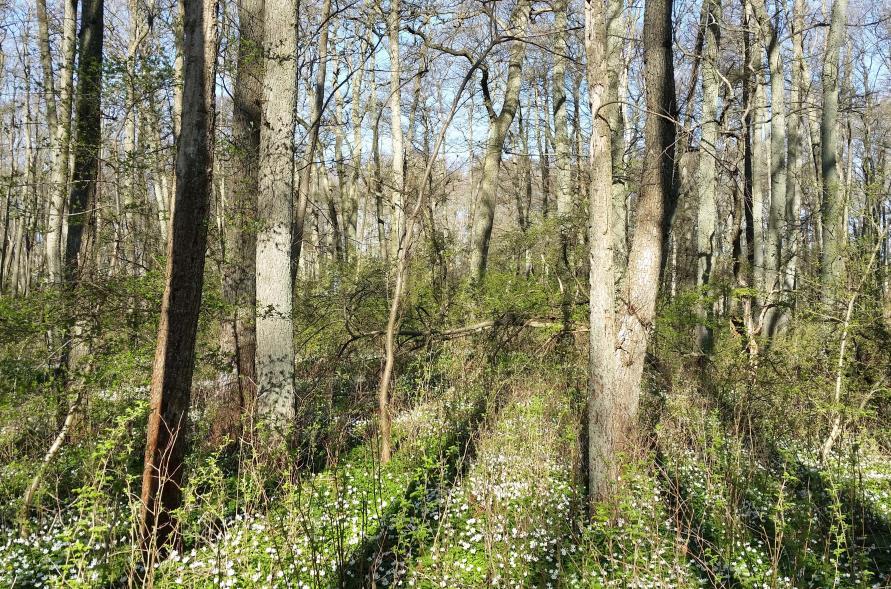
615 109
604 430
59 121
544 161
177 330
776 240
613 410
794 177
499 125
239 286
561 127
88 126
832 213
397 144
275 326
707 177
351 206
315 122
760 164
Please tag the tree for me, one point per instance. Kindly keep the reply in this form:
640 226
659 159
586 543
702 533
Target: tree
832 209
708 148
603 429
614 385
59 120
275 326
777 240
175 350
239 286
499 124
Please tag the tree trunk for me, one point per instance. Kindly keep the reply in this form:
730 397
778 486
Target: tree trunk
794 178
275 326
561 127
603 427
832 211
499 125
655 208
776 240
617 76
397 142
315 119
707 177
239 286
175 352
59 121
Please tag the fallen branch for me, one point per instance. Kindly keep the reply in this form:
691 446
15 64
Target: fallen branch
47 460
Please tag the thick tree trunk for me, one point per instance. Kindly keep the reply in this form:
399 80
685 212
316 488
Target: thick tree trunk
275 326
832 212
175 352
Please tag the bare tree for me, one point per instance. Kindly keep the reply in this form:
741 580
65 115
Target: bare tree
832 212
499 124
275 331
614 392
177 331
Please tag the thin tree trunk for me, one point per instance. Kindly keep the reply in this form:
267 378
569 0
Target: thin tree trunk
561 128
604 430
832 212
777 239
615 109
239 286
707 177
315 121
397 144
794 178
499 124
60 125
175 352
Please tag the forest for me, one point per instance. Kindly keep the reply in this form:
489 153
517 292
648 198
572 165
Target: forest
445 294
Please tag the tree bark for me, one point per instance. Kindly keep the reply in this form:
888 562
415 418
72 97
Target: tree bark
707 177
239 286
499 125
832 210
175 352
275 326
604 429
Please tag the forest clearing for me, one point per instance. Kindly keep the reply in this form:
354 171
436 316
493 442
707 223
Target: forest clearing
445 294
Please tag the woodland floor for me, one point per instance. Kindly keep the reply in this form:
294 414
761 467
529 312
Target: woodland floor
483 491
